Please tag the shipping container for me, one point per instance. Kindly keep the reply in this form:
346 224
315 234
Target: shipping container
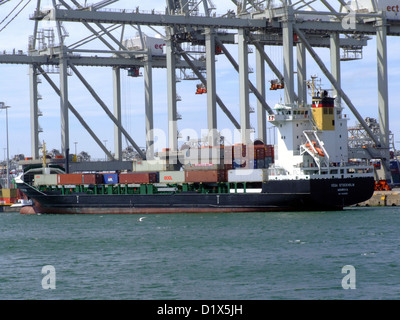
138 177
45 180
269 150
268 161
212 152
228 166
8 193
239 151
69 178
92 178
202 155
259 152
172 176
228 154
203 166
110 178
205 176
154 45
248 175
152 165
389 7
239 163
260 163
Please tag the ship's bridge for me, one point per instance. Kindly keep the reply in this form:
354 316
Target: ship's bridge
285 112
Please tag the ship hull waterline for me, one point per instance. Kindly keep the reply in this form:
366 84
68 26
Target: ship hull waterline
280 195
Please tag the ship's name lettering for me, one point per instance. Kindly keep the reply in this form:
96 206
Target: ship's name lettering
341 185
346 184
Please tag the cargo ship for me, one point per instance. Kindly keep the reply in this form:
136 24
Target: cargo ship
308 169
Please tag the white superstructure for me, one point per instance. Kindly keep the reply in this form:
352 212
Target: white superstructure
312 139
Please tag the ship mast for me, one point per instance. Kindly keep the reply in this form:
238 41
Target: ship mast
44 156
312 86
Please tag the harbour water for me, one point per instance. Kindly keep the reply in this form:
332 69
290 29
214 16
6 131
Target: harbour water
249 256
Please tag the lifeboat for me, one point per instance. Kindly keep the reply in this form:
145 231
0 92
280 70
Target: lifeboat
316 149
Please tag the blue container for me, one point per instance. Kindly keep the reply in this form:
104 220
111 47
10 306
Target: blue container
238 163
394 164
253 164
110 178
268 161
260 163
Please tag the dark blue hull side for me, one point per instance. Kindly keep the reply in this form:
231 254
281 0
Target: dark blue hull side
295 195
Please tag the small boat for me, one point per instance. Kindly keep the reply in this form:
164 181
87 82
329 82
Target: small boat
22 203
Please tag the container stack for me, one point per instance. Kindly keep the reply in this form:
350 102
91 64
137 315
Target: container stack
269 155
238 163
251 157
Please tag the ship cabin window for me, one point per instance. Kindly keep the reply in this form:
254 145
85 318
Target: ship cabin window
333 122
330 111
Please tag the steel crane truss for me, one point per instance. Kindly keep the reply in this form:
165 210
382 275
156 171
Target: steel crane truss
258 26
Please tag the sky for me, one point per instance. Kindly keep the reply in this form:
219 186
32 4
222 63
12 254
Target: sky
359 81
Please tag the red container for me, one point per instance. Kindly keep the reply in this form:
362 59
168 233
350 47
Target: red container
69 178
259 152
269 150
239 151
138 177
205 176
88 178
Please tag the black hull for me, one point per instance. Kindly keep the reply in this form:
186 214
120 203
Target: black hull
293 195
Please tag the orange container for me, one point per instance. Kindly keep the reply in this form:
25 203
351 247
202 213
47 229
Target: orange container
89 178
205 176
138 177
69 178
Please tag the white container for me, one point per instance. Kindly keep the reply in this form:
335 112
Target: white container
45 179
151 165
248 175
203 166
172 177
390 7
155 45
213 155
